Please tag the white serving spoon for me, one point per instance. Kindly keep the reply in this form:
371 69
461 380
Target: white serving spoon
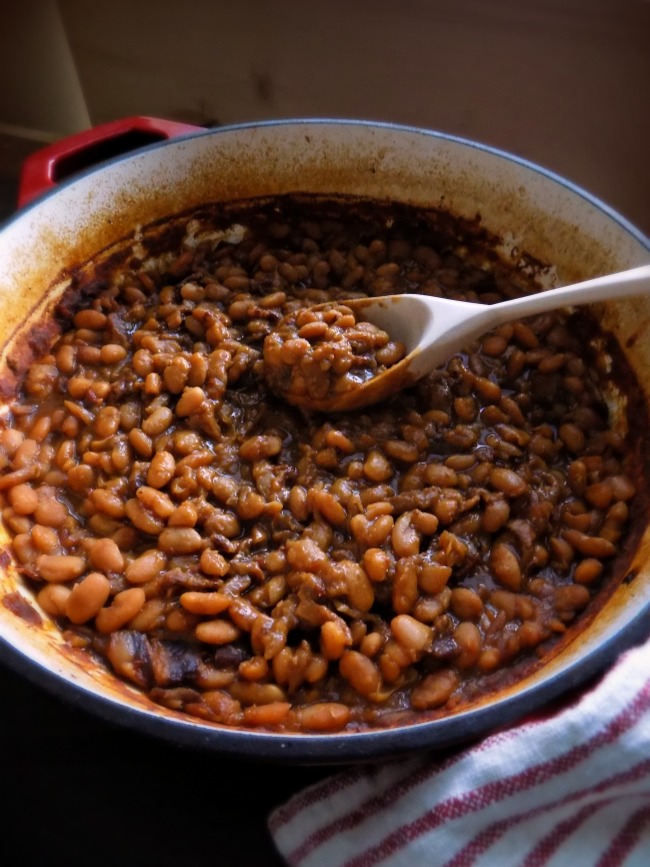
433 329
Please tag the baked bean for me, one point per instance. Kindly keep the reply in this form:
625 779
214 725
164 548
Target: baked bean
623 488
401 451
335 637
124 607
298 503
371 533
489 660
506 601
217 632
371 644
405 586
23 499
109 502
256 448
468 639
440 474
207 603
466 603
142 518
112 353
433 577
213 563
360 672
180 540
414 636
329 507
494 345
145 567
10 439
377 467
405 539
53 599
324 716
495 515
590 546
530 634
271 714
573 437
376 509
24 548
176 374
50 512
161 470
105 556
465 408
524 334
570 597
152 384
487 390
600 494
159 420
435 689
16 523
87 597
182 621
153 615
141 442
107 421
587 571
155 501
376 563
184 515
23 475
447 507
60 567
66 359
505 566
46 539
336 439
508 481
315 573
255 669
91 319
191 401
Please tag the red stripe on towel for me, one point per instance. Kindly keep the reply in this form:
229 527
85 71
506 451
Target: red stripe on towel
627 839
488 836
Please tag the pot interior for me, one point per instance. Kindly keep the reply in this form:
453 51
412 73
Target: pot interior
536 216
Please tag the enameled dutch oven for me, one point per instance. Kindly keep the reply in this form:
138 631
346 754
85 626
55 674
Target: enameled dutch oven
531 210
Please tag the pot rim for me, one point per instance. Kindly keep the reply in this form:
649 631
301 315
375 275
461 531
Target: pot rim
531 165
531 702
467 724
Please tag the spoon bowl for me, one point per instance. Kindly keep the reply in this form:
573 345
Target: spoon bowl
433 329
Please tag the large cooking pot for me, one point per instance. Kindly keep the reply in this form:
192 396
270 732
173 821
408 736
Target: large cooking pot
530 209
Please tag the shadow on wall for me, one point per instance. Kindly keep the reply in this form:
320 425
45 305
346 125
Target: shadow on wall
564 83
41 97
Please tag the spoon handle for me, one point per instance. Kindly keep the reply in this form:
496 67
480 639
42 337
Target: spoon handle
636 281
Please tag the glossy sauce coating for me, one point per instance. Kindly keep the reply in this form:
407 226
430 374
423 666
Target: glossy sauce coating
251 564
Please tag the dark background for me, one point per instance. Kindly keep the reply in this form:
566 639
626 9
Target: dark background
80 792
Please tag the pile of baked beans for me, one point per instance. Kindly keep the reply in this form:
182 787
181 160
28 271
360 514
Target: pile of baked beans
325 351
252 564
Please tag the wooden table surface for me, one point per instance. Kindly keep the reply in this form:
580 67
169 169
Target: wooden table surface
79 791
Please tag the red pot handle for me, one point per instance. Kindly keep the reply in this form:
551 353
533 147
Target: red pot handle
46 167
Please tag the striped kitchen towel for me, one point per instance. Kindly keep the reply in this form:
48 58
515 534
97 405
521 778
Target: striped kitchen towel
572 788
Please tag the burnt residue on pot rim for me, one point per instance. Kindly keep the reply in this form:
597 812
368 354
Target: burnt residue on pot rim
363 158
